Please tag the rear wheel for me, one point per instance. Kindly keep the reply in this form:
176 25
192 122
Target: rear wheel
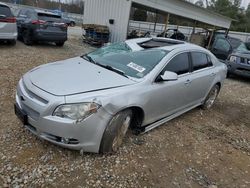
211 97
115 132
27 38
60 43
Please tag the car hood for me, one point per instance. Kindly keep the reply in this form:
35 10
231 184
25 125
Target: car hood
242 54
74 76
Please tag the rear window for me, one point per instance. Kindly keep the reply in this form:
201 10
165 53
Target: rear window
5 11
49 17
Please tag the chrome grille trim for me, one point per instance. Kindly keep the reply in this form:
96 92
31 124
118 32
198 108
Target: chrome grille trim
34 96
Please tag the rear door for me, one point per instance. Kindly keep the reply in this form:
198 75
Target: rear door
202 76
7 22
52 22
221 48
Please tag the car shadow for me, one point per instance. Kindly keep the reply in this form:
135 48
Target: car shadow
239 78
6 44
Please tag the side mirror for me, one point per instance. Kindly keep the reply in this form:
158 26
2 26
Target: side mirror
169 76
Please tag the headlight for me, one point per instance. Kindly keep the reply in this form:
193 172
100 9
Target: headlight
233 58
76 112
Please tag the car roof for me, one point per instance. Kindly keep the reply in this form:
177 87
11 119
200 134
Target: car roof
4 4
46 12
170 44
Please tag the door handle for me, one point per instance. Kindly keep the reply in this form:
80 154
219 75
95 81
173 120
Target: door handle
187 82
213 74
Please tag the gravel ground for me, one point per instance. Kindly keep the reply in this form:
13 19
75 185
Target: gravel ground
199 149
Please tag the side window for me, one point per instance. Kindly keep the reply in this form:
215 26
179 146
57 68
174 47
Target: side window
179 64
200 60
22 13
222 44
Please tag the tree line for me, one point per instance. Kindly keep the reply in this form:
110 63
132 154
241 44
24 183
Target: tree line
72 6
232 9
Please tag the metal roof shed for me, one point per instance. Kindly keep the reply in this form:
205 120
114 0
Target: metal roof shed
103 12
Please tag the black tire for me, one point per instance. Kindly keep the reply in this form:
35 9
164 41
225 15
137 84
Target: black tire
27 38
12 42
115 131
72 24
211 97
60 43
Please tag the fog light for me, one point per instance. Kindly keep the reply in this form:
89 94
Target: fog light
65 140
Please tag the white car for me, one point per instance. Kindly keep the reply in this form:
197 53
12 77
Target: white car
8 27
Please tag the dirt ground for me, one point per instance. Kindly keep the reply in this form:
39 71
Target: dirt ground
198 149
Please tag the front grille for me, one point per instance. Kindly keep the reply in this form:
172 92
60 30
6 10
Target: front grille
34 96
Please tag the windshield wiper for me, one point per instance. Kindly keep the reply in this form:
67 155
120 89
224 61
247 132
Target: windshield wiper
88 58
112 69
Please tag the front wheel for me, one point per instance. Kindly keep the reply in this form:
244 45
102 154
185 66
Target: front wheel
115 132
211 97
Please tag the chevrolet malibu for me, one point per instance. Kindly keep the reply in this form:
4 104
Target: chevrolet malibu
88 103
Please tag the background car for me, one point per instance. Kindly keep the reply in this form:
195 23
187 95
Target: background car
239 61
8 27
69 21
88 103
37 25
223 46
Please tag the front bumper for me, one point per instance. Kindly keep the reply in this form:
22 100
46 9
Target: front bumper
84 136
238 69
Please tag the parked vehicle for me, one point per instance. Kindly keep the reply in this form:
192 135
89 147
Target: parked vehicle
217 41
37 25
8 27
69 21
173 34
66 19
239 61
223 46
138 34
88 103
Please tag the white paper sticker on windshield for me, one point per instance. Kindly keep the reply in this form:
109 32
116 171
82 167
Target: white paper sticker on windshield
136 67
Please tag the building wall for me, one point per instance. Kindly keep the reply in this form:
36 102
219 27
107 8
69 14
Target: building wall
100 11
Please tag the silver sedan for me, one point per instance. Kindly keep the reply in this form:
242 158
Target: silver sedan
88 103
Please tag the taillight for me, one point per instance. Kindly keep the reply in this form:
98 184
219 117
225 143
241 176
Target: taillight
38 22
9 20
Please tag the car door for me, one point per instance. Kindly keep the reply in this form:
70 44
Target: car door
221 48
169 97
202 76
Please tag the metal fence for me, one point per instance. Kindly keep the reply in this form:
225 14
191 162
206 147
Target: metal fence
187 31
16 8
